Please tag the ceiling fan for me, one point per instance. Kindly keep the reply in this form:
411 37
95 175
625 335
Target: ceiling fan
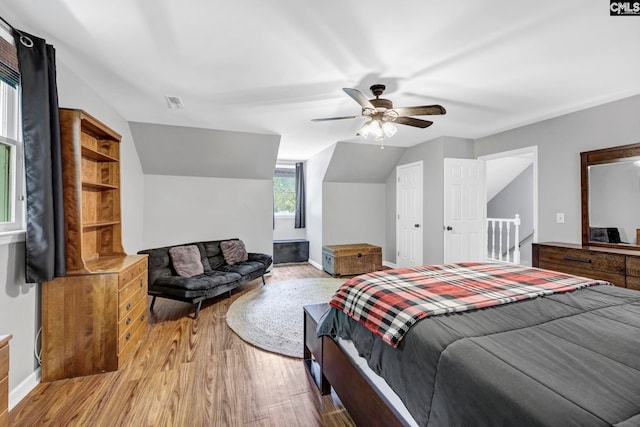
382 114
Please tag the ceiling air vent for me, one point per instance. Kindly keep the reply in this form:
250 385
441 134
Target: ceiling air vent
174 102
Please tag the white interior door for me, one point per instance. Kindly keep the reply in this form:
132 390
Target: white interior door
464 210
409 215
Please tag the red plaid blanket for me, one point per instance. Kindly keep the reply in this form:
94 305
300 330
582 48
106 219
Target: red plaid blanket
389 302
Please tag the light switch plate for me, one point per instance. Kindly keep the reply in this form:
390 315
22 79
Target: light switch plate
560 218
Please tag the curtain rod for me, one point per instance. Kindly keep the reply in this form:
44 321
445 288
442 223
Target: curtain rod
25 40
11 27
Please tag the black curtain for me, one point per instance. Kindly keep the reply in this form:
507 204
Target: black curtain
300 197
43 166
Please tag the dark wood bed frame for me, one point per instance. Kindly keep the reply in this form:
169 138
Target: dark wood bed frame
361 398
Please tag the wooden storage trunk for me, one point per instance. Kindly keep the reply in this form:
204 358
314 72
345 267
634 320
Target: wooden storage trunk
347 260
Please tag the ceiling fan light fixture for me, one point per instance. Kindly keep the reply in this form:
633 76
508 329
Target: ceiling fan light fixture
389 129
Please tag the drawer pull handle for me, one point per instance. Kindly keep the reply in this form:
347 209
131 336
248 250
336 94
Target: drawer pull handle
127 320
142 318
128 336
141 282
359 255
128 306
570 258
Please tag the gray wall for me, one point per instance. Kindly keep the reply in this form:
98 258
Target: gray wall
188 151
193 209
354 213
316 168
20 302
516 198
560 141
432 153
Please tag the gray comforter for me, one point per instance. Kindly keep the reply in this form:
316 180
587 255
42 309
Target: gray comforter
562 360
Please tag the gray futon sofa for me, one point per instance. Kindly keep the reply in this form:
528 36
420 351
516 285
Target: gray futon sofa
218 276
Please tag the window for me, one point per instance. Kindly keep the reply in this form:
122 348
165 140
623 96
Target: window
11 162
284 190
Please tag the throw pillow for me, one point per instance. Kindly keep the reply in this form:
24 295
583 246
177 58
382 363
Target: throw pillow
233 251
186 260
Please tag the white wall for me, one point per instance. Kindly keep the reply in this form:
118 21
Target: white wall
180 209
20 302
354 213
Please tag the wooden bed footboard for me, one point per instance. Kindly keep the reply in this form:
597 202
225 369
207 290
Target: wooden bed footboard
359 397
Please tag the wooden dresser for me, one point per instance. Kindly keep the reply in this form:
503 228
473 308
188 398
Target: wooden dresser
4 380
618 266
92 322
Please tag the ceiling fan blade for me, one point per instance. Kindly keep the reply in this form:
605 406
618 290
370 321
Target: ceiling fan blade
334 118
410 121
359 98
425 110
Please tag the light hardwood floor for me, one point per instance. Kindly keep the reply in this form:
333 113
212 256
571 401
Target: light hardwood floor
191 373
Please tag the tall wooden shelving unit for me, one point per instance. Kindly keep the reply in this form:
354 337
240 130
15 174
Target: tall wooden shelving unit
92 317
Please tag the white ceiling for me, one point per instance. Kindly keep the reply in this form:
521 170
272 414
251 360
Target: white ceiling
270 66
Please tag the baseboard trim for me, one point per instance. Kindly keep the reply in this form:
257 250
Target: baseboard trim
389 264
315 264
22 389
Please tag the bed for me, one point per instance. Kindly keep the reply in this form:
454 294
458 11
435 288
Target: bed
553 350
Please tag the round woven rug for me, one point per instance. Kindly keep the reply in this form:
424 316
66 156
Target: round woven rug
271 317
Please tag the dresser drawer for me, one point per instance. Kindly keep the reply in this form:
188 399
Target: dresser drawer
132 272
130 324
633 266
131 294
4 361
4 396
137 314
583 259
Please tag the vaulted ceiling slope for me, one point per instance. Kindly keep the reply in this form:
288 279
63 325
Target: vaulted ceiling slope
360 163
270 66
188 151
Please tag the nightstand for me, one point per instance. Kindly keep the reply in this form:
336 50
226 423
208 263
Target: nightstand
313 346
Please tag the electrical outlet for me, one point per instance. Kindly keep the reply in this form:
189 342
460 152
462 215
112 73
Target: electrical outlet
560 218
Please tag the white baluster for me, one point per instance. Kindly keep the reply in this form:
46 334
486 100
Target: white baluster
516 250
500 246
508 241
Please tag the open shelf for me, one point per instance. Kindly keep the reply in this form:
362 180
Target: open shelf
98 186
98 224
96 155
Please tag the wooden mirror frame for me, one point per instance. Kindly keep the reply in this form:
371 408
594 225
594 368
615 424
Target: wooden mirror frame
597 157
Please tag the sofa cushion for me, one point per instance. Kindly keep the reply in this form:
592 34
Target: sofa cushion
233 251
186 260
243 268
214 254
207 280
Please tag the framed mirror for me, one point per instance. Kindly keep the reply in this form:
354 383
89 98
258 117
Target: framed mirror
610 180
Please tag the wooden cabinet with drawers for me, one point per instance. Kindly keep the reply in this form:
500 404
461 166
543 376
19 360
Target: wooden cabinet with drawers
618 266
93 317
91 323
4 380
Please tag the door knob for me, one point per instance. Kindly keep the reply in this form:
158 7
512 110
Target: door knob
416 225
